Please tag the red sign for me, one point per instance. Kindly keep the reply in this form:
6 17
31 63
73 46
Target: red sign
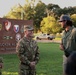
11 31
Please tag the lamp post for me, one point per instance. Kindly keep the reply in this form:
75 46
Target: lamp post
22 12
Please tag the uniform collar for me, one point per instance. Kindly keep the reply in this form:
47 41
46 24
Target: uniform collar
27 39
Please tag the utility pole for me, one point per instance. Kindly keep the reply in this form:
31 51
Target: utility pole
22 12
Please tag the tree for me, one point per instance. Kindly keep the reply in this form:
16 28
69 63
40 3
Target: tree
74 19
53 9
49 25
39 14
37 10
16 12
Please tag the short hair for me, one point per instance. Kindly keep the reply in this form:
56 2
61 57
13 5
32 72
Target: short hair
69 23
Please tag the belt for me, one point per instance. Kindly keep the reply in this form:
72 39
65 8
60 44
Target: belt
23 63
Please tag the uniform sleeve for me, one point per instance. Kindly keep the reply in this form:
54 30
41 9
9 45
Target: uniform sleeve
21 53
37 54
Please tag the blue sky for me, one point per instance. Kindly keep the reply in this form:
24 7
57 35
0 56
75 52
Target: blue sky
6 5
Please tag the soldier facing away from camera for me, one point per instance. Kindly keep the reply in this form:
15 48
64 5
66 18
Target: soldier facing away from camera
28 52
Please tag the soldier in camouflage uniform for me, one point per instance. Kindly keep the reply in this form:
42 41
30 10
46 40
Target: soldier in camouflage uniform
28 52
68 42
1 65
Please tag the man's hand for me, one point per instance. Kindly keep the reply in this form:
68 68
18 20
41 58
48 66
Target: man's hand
1 65
32 65
61 47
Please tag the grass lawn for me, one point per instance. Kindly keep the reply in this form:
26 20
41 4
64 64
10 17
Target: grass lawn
50 61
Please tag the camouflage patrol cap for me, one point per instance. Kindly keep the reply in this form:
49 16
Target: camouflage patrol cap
64 18
28 27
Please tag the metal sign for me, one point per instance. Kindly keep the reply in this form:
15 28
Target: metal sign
11 31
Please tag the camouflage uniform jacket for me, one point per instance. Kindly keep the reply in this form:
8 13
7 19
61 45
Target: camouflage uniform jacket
1 62
27 51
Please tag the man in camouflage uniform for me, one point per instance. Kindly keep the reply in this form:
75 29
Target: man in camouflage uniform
68 42
28 52
1 65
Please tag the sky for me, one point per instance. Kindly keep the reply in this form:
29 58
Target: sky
6 5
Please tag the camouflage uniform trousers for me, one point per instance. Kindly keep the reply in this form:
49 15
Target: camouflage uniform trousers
1 63
0 72
26 70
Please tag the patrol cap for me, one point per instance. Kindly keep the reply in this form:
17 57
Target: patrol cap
28 27
64 18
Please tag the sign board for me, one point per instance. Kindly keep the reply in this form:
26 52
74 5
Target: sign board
11 31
